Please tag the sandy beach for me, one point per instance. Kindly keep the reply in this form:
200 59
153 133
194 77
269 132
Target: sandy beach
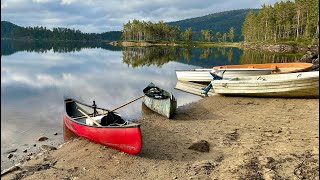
249 138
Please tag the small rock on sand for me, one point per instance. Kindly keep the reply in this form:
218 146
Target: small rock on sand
48 147
43 138
201 146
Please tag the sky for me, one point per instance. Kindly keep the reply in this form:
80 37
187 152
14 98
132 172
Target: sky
110 15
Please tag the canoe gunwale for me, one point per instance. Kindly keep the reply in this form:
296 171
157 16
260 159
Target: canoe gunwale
127 125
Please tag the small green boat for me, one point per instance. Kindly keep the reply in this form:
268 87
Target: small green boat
159 100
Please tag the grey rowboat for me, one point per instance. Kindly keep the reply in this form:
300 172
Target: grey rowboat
159 100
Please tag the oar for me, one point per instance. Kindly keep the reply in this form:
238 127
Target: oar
95 122
127 103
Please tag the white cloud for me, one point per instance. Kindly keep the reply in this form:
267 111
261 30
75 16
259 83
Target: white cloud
41 1
67 1
4 5
101 16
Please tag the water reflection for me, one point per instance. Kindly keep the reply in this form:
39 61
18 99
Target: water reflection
200 57
68 134
9 47
144 56
256 57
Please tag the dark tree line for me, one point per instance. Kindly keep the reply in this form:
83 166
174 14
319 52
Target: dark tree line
9 30
289 20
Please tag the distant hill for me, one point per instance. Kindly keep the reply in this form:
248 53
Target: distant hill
7 28
10 30
217 22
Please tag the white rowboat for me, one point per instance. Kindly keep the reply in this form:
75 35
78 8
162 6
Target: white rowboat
302 85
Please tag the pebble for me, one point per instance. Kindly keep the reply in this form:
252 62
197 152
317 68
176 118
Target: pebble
201 146
43 138
48 148
10 151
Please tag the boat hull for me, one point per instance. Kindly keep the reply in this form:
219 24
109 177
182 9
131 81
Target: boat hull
113 131
193 88
229 71
294 85
203 75
278 68
165 107
126 139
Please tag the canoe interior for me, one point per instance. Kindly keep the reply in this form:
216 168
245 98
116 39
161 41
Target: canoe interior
155 92
72 111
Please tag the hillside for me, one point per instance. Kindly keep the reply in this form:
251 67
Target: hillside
7 28
12 31
217 22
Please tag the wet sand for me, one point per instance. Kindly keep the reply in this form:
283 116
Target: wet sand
249 138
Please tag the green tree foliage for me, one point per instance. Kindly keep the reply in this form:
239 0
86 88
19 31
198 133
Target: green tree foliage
289 20
218 36
224 37
144 31
206 34
231 34
188 34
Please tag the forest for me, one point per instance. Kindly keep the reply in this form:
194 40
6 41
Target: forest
284 21
160 31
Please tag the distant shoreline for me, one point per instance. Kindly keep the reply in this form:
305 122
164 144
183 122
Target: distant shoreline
272 47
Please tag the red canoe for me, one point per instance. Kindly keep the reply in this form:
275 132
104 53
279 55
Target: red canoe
111 130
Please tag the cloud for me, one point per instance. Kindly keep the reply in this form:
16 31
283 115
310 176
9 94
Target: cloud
67 1
41 1
101 16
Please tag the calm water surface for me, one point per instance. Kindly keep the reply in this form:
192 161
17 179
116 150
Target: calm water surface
35 78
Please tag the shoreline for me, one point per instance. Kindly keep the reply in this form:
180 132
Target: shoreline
281 47
248 138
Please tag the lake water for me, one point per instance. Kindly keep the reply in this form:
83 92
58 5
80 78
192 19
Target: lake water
37 76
